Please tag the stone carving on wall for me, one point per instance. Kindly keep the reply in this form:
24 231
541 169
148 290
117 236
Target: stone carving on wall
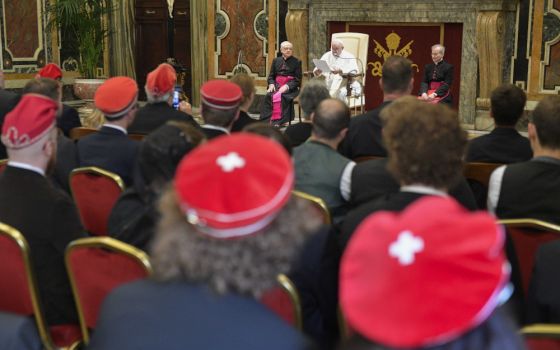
490 43
241 32
22 50
393 41
550 71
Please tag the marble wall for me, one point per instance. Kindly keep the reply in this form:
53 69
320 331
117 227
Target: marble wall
321 12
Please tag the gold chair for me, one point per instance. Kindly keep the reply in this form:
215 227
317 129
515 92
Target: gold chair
527 235
542 336
95 192
3 164
97 265
81 131
284 300
317 203
20 293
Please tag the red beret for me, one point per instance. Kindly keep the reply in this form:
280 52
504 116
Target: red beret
30 120
161 80
221 94
422 277
234 185
51 70
116 96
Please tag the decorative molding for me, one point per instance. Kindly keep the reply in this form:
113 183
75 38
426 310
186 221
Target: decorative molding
320 12
296 31
490 46
202 19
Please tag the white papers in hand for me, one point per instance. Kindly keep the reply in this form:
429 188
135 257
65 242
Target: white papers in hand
322 65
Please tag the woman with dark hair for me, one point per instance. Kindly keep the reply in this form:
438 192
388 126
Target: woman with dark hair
134 216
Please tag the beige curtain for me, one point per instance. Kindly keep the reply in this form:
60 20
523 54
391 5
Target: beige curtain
121 39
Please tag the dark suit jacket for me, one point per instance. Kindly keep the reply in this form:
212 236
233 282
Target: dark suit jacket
69 120
364 135
109 149
298 133
391 202
501 145
49 221
66 161
242 121
372 180
154 115
150 315
212 133
8 100
444 74
543 303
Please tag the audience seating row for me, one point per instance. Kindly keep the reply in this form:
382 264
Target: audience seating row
96 265
79 132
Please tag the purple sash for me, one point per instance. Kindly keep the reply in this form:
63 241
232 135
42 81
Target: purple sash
277 97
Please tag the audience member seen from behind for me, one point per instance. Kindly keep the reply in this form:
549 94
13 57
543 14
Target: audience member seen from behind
531 189
66 152
270 132
431 277
426 146
229 226
320 170
219 107
504 144
134 217
364 134
110 148
247 86
311 95
160 85
45 216
69 117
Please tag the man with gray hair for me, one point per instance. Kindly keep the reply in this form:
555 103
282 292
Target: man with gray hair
311 95
340 62
437 79
320 169
284 81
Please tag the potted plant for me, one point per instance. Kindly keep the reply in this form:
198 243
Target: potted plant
83 22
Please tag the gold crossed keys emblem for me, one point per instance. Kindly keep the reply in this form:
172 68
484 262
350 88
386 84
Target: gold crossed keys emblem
393 41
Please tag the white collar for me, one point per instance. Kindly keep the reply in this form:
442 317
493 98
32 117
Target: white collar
113 126
423 189
27 167
215 127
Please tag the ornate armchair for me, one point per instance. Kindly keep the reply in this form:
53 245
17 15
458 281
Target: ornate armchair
357 44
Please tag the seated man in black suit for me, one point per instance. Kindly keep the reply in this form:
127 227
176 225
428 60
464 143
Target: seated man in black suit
45 216
364 134
532 189
504 144
426 145
69 118
219 106
437 78
160 85
110 148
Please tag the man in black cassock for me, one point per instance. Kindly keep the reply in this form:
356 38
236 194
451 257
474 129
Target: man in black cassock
283 86
437 79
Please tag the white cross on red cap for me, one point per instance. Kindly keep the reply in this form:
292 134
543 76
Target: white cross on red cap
406 247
